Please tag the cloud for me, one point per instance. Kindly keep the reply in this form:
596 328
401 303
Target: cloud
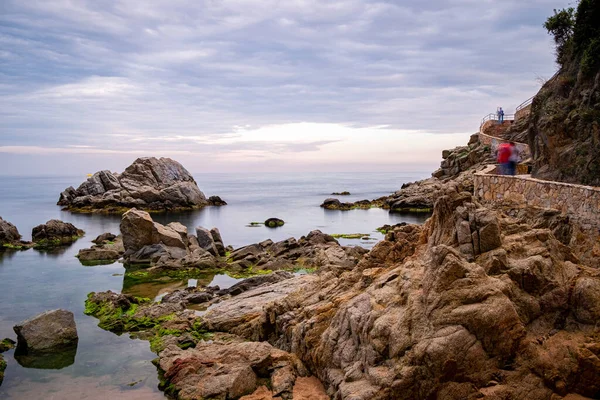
186 75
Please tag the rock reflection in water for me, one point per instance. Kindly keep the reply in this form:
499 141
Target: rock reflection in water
158 287
66 387
56 360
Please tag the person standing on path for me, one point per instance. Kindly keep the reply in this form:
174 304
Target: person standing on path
500 113
504 152
513 159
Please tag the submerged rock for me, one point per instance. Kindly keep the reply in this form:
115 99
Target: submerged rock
55 233
50 331
274 222
149 183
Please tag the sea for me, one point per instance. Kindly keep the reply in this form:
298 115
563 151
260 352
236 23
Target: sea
108 366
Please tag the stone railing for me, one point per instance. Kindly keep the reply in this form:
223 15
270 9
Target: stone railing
581 203
493 142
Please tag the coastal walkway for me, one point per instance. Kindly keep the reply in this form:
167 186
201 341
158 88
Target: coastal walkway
581 203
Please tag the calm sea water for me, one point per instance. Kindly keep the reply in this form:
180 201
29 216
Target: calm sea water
107 365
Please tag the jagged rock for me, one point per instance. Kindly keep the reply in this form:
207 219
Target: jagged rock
206 240
216 201
419 318
107 247
218 240
148 183
104 237
8 233
50 331
55 233
229 370
138 230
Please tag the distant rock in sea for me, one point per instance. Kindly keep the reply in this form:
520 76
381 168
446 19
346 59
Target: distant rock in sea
154 184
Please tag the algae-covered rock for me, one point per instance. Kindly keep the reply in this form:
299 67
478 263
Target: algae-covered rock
55 233
2 368
8 233
274 222
7 344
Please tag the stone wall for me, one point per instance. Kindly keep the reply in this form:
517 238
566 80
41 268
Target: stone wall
494 142
581 203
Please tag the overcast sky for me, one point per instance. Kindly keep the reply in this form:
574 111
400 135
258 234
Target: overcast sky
259 85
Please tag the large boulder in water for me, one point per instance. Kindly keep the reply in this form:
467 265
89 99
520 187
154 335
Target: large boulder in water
149 183
139 230
8 233
47 332
55 233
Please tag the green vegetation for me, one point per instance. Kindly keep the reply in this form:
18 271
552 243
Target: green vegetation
2 368
119 320
6 344
577 35
48 243
349 235
15 246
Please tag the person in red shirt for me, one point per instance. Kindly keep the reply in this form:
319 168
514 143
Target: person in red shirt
504 152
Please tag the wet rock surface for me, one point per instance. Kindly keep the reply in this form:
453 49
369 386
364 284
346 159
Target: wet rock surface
149 183
107 249
48 332
55 233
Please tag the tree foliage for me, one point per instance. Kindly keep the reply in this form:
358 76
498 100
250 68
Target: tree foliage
577 35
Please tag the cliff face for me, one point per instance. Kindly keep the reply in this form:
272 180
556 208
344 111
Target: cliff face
564 129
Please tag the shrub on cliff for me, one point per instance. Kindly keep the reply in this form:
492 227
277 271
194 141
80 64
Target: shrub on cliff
564 128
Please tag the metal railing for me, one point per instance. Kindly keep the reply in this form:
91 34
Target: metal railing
494 117
524 104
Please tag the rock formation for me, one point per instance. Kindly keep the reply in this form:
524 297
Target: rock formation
48 332
149 183
107 249
474 304
274 223
456 171
55 233
170 249
564 125
10 237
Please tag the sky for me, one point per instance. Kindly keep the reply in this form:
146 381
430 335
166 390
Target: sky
259 85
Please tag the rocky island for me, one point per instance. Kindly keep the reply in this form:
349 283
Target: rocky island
153 184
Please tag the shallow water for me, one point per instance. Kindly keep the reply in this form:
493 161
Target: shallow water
105 364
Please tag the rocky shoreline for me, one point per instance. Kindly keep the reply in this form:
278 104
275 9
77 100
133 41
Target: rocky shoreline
479 302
